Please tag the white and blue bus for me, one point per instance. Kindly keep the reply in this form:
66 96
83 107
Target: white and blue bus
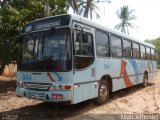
68 58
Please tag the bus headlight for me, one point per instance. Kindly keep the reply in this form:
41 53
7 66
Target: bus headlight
53 87
21 84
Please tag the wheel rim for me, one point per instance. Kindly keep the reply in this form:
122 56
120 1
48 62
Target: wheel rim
103 92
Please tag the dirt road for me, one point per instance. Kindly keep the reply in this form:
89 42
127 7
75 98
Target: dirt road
137 100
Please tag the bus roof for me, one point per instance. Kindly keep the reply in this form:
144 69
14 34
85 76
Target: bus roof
99 26
113 31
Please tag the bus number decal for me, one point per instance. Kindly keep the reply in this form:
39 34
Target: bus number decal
106 66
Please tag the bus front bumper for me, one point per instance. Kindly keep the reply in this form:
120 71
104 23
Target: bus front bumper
50 96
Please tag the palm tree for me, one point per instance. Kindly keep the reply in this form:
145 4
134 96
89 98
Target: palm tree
73 5
125 15
88 7
85 7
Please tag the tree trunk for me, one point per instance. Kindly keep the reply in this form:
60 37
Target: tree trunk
47 8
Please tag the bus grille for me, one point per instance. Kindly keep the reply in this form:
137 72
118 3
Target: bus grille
38 86
34 95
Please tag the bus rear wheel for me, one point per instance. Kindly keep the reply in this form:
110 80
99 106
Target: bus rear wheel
145 80
103 93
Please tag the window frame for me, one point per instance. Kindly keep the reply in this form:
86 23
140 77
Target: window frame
79 59
107 46
153 56
131 52
115 47
143 58
81 46
148 53
139 53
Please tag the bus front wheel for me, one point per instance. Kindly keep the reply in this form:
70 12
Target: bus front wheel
103 92
145 80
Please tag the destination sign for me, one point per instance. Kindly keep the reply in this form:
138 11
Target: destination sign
48 24
55 21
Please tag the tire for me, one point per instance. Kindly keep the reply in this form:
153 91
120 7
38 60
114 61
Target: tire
103 93
145 80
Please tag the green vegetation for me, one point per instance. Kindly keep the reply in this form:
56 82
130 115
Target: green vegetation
16 13
156 43
125 15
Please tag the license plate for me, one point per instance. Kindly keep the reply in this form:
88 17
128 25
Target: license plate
57 96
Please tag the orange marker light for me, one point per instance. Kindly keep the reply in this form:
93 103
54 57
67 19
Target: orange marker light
68 87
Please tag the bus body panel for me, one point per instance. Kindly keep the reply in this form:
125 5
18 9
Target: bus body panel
85 91
124 72
45 85
85 84
46 77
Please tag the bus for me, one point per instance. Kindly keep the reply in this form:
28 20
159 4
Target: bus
70 59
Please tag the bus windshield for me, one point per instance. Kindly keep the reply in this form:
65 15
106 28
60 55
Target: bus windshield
48 50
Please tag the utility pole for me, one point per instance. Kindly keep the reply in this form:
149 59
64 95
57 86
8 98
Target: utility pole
46 8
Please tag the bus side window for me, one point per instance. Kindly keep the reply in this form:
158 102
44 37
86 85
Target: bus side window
102 44
77 41
136 51
127 49
148 53
87 44
143 52
83 43
116 46
152 54
83 47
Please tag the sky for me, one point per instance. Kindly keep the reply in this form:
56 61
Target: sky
147 12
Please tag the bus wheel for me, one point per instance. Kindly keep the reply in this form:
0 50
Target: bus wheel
103 92
145 80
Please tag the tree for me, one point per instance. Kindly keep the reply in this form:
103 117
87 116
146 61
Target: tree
85 7
73 5
156 43
88 7
47 8
14 14
57 7
125 15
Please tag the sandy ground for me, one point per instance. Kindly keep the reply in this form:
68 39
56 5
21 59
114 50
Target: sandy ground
134 100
